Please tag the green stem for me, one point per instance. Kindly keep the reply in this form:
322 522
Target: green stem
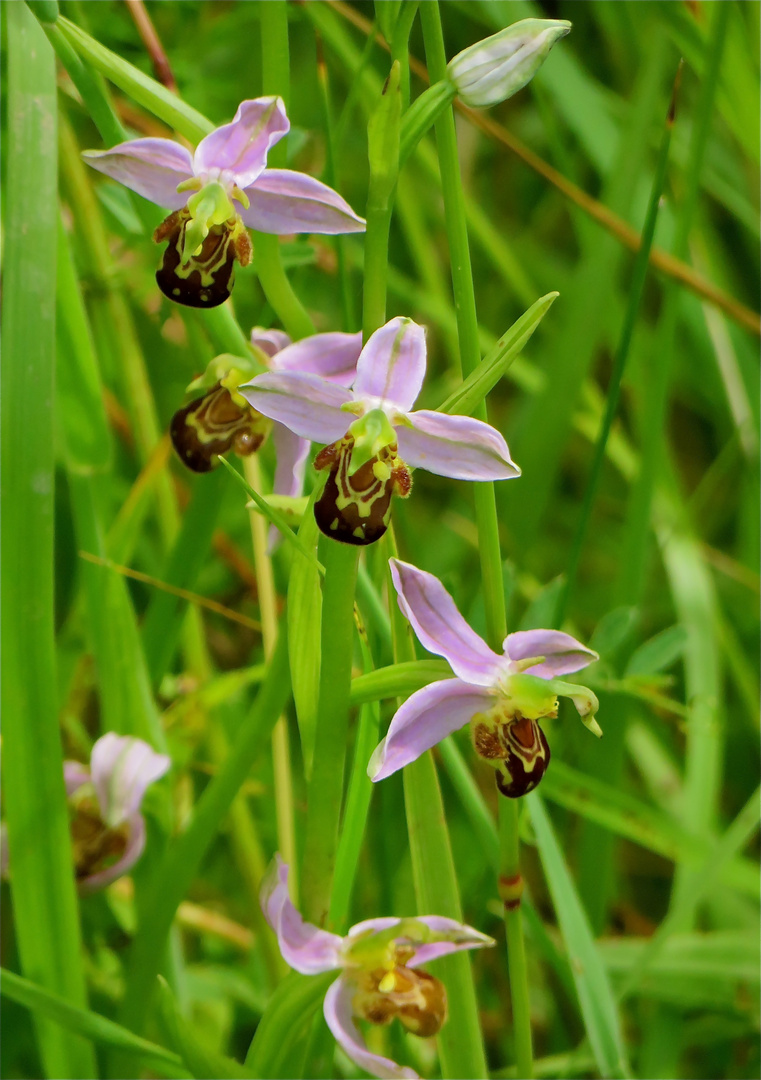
276 80
461 1048
357 805
383 151
510 887
485 505
281 755
326 783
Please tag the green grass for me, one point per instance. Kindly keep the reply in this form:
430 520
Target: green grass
629 400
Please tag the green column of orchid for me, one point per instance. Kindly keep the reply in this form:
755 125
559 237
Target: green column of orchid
486 517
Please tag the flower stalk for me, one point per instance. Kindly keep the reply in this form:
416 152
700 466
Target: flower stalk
326 784
383 151
485 504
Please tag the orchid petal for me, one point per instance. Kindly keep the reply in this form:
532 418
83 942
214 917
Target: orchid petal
132 852
151 167
291 452
75 776
307 404
457 446
562 653
392 364
283 202
122 768
459 936
269 341
304 947
331 356
453 936
424 720
340 1019
241 147
440 627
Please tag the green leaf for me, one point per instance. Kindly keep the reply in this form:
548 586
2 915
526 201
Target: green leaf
45 914
422 114
289 1011
659 653
79 394
593 987
613 629
141 88
203 1063
397 680
275 517
90 1024
466 399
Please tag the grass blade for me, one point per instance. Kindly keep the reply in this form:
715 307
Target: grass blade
42 886
90 1024
592 984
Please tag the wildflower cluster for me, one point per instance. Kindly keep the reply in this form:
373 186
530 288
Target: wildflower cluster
356 401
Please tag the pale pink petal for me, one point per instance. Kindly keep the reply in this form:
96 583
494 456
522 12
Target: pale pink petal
307 404
332 356
284 202
304 947
151 167
453 935
133 851
424 720
339 1018
460 936
75 775
241 147
457 446
291 452
269 341
122 768
563 653
440 627
392 364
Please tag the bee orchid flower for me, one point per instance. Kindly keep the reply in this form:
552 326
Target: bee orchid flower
503 698
373 437
219 191
377 981
219 418
107 828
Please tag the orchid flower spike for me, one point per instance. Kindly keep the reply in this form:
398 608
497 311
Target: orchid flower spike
494 69
373 436
218 191
501 697
107 828
377 980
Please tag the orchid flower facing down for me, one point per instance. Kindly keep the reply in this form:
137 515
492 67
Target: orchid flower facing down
218 191
377 981
501 697
107 828
373 436
219 418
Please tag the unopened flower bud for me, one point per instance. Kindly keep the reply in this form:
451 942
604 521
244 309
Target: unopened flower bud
494 69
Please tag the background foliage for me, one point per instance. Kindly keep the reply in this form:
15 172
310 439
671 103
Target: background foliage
667 584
